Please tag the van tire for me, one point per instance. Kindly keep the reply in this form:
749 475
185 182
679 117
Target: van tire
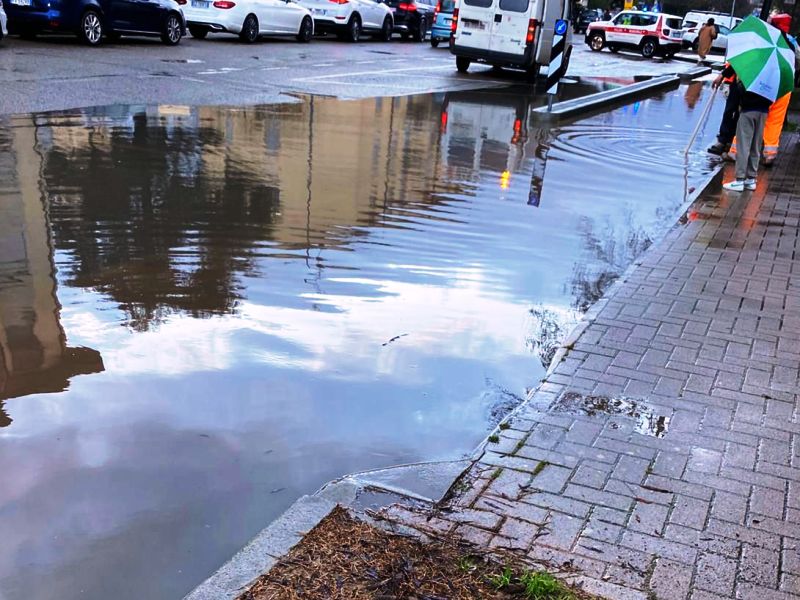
434 43
353 31
648 47
462 64
597 42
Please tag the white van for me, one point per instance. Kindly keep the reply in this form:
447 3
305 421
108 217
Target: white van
508 33
698 18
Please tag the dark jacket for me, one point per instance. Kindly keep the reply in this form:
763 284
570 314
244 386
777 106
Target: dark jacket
750 102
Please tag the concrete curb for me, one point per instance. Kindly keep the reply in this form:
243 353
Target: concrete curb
571 108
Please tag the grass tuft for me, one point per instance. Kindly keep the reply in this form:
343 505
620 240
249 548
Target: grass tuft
494 438
543 586
540 467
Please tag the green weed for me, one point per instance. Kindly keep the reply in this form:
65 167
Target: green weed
543 586
502 580
504 426
494 438
497 472
540 467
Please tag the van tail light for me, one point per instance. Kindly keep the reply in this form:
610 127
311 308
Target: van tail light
437 10
454 22
531 37
226 4
339 1
181 2
407 6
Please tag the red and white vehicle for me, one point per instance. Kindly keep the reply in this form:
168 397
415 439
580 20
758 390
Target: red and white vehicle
652 34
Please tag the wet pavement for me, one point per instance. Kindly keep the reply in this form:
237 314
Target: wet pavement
702 336
207 312
41 75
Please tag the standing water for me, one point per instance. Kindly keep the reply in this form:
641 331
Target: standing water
207 312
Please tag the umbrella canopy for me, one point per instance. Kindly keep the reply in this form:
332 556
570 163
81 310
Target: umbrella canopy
762 58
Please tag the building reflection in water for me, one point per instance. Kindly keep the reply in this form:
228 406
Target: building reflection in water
34 356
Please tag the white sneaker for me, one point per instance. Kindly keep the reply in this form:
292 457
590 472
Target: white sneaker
749 184
737 185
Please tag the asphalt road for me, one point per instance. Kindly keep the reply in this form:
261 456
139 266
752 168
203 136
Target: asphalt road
53 73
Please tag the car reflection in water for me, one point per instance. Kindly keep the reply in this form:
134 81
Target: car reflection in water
285 294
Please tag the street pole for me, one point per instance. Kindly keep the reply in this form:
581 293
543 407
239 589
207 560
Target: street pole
733 10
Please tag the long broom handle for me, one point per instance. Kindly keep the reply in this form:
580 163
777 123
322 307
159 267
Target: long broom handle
701 121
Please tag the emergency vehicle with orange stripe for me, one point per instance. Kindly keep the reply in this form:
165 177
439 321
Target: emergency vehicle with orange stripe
651 34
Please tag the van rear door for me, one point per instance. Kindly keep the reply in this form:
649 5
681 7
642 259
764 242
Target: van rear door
510 27
475 23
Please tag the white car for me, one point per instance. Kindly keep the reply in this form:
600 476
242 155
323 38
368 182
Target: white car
3 22
652 34
349 18
248 19
718 45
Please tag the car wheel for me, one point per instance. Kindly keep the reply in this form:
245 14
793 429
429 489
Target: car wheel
422 30
462 64
386 30
613 48
434 43
198 33
353 29
249 33
695 46
91 28
306 30
173 30
597 42
648 48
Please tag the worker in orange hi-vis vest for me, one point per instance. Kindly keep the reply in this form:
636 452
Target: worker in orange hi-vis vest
777 112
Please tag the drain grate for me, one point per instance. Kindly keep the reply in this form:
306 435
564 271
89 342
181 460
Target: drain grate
647 421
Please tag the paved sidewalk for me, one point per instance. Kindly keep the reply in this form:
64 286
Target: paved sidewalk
661 458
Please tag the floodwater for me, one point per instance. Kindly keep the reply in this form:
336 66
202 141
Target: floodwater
208 312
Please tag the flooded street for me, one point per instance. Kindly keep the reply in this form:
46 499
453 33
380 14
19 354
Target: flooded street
208 312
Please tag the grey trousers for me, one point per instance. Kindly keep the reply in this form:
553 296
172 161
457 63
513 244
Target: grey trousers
749 135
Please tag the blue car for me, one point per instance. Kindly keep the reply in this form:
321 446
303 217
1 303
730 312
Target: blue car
441 22
95 20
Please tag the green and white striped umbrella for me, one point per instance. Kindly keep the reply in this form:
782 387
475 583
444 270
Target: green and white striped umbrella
762 59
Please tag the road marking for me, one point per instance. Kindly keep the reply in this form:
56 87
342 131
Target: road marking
381 72
323 65
272 68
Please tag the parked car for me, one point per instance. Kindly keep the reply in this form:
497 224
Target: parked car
442 21
95 20
697 18
690 39
249 19
412 18
509 33
582 21
3 22
651 34
348 19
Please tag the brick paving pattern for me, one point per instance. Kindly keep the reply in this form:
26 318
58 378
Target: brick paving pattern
703 339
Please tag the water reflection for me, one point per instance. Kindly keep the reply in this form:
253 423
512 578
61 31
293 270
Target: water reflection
285 294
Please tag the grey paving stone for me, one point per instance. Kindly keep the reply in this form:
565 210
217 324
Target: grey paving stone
759 566
715 573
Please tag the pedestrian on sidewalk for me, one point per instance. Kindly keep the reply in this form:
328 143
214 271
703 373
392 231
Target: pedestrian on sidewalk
705 39
730 118
753 111
776 117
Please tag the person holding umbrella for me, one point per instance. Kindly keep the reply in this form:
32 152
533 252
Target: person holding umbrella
763 62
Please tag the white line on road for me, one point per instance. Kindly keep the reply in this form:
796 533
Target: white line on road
323 65
380 72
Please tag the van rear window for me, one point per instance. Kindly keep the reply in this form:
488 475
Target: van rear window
514 5
479 3
447 6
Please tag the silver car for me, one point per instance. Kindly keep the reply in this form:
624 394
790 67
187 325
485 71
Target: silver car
3 22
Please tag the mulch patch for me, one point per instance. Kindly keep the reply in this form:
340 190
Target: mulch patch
343 558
